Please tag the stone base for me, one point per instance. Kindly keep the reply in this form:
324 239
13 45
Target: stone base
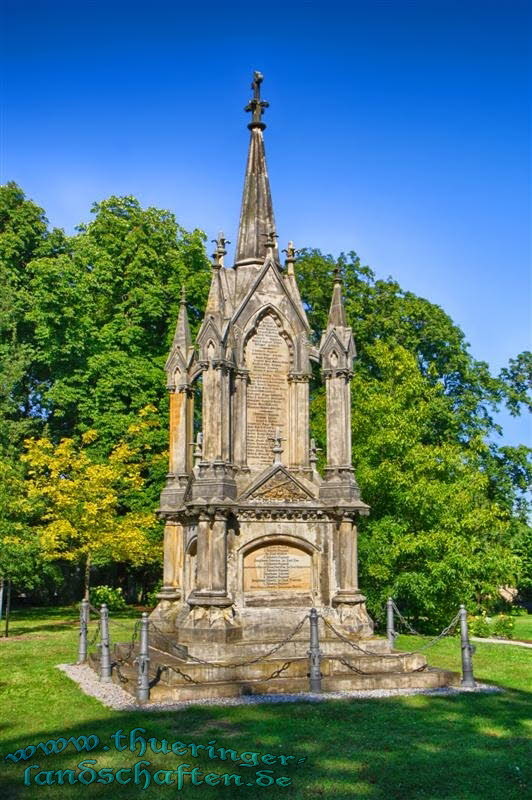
281 674
194 622
228 641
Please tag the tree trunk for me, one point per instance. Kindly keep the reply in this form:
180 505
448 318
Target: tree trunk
1 596
87 577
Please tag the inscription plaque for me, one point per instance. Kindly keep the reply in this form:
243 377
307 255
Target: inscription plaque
267 359
277 567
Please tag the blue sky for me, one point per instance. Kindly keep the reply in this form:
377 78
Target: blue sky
398 129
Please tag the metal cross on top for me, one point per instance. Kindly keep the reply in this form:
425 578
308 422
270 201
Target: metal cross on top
256 105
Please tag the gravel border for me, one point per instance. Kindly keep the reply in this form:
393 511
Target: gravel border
113 696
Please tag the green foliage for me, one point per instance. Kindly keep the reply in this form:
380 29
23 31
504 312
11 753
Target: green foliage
151 597
500 625
86 323
479 626
449 508
113 598
82 503
503 625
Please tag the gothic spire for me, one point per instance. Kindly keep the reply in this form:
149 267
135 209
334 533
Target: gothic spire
337 316
256 217
182 337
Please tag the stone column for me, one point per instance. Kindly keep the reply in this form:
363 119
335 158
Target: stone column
173 562
181 429
217 412
211 586
349 602
298 423
224 409
203 555
210 415
338 418
240 418
346 560
218 556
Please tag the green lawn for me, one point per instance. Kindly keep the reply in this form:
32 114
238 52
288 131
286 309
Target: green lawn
436 748
523 627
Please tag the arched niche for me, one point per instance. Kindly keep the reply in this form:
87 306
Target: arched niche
278 569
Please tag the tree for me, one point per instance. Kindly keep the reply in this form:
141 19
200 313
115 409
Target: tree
104 316
82 504
87 322
449 508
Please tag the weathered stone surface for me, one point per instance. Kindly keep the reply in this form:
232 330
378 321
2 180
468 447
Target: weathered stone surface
255 536
276 568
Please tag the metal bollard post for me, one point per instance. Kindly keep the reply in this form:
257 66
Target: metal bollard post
83 630
390 633
314 653
105 654
467 649
143 661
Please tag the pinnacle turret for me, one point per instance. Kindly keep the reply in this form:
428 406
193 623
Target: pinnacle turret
256 217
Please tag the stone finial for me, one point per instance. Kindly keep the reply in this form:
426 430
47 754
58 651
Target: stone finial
270 242
277 448
291 254
198 449
220 251
256 106
337 317
314 454
182 336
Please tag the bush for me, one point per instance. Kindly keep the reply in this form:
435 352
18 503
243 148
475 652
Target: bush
151 597
503 625
106 594
479 626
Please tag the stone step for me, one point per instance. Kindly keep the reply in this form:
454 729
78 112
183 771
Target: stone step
398 662
373 673
429 679
239 651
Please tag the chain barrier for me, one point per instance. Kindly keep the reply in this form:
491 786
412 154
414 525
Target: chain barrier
364 672
255 660
121 677
96 635
357 647
445 632
190 679
122 625
131 645
405 622
124 659
94 610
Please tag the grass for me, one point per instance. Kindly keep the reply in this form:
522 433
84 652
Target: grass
523 627
467 747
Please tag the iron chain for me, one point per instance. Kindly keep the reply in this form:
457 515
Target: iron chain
405 621
241 663
357 646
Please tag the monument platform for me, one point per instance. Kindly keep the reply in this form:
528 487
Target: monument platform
178 677
255 533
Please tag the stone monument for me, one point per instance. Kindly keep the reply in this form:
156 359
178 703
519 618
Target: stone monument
254 535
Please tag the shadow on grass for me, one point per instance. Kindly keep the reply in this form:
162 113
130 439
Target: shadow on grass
463 747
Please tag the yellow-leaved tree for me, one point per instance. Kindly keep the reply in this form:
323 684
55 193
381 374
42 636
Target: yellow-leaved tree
81 506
